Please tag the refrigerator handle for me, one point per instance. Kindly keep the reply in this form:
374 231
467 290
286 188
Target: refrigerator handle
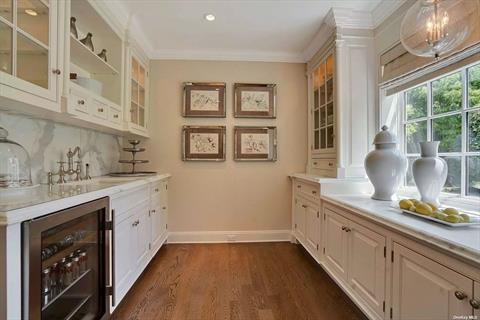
110 226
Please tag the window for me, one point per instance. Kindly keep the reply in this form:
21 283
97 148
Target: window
447 109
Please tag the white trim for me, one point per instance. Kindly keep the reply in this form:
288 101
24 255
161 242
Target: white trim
216 55
384 10
229 236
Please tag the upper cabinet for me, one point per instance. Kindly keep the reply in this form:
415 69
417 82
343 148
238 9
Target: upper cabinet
341 92
72 58
29 64
137 108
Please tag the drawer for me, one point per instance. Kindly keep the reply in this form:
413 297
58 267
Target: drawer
158 192
114 116
99 110
125 201
307 189
78 102
324 163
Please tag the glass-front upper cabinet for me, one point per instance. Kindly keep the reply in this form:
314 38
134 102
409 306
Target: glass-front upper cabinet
323 107
138 95
28 46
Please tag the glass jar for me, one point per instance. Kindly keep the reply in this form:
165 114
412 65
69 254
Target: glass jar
14 163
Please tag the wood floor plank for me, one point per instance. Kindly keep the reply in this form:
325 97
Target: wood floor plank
254 281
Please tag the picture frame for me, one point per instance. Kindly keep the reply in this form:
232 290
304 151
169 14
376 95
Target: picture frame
203 143
255 143
204 99
255 100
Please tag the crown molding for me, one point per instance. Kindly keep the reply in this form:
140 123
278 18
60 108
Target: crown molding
384 10
254 56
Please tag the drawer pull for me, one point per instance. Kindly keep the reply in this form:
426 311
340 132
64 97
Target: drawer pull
348 229
475 304
460 295
115 116
315 163
156 189
136 223
100 109
330 164
56 71
299 186
314 192
82 102
343 228
153 211
304 206
164 208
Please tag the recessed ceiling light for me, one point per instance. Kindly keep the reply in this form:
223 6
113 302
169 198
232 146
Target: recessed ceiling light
31 12
209 17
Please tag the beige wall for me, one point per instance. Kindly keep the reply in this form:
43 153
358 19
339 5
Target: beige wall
227 196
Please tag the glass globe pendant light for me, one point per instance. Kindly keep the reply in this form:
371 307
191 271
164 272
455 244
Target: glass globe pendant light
431 28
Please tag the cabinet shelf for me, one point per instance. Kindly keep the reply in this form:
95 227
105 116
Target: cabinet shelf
88 60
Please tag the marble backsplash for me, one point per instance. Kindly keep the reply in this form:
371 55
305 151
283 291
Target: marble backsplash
47 142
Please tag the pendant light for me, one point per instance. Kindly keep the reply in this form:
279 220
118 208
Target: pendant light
431 28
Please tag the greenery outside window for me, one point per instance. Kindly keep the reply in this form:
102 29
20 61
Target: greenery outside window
447 109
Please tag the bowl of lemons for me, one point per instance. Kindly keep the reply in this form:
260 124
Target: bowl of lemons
447 216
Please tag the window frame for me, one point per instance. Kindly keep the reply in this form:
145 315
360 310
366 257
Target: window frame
463 111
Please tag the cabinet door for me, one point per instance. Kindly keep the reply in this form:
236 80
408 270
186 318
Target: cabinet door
158 225
300 219
138 93
142 236
29 47
311 227
124 260
335 243
366 265
424 289
475 302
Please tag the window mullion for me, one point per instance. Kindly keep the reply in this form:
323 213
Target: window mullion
463 164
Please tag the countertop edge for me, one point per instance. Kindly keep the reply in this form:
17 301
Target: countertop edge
453 249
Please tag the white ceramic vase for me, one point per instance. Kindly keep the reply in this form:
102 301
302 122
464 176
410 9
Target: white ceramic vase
429 172
385 166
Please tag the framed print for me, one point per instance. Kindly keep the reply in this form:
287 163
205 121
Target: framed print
204 99
255 100
255 143
205 143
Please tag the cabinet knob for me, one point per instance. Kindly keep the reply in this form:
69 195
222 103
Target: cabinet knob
348 229
343 228
100 109
153 211
115 116
82 102
156 189
164 208
315 163
330 164
299 186
314 192
304 206
460 295
475 304
57 71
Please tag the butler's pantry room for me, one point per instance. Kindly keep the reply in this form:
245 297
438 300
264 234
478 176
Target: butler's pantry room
239 159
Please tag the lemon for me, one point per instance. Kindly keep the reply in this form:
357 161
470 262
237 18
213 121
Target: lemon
451 211
465 217
405 204
424 209
414 201
412 208
453 218
433 206
440 215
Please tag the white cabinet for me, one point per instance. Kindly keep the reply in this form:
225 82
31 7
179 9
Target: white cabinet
141 236
335 243
299 218
312 226
158 214
425 289
366 265
475 301
29 63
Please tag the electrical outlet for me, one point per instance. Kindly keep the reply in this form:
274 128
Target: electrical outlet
231 238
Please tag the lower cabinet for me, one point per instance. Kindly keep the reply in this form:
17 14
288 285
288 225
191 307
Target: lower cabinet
475 301
140 229
425 289
307 224
335 243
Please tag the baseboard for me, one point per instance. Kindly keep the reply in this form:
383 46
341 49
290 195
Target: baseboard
229 236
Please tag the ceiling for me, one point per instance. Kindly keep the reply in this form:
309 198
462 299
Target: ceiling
268 30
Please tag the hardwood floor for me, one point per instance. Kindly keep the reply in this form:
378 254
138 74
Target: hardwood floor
263 281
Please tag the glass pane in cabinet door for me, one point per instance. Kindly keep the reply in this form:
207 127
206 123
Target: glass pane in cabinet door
322 95
134 113
6 10
316 139
134 70
330 113
329 66
33 18
330 137
315 99
141 116
330 90
316 122
141 76
141 96
322 116
323 134
71 269
5 48
32 61
134 94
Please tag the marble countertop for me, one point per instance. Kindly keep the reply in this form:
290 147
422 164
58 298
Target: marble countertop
43 199
464 241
